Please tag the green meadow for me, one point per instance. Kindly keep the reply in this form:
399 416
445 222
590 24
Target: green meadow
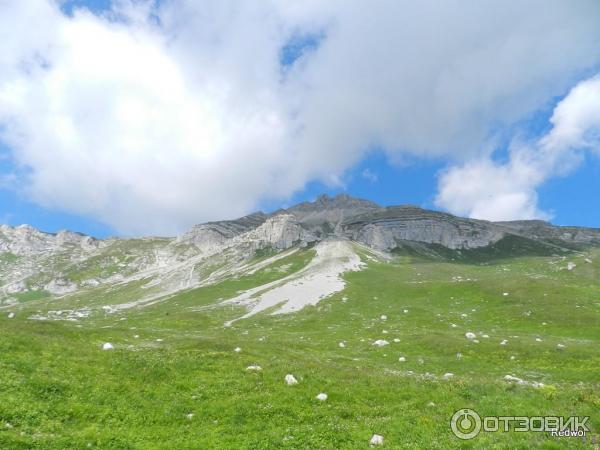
174 381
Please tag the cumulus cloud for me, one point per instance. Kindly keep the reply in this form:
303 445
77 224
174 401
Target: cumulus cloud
153 117
485 189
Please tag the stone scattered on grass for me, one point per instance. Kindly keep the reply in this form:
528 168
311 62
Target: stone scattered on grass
405 312
470 335
504 342
290 379
136 336
396 340
538 340
254 368
341 345
447 375
11 315
505 294
402 359
107 346
453 325
513 379
431 404
189 416
237 349
380 343
159 340
376 439
560 345
383 317
512 358
322 397
485 336
571 265
588 260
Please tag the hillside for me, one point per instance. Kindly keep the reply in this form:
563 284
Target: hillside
372 306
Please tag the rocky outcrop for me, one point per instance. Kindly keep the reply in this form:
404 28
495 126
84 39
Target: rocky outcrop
26 240
538 229
280 231
325 214
385 228
212 236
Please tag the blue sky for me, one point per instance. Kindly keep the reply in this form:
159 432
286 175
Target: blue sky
135 145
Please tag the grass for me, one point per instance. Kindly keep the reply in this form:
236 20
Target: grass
59 390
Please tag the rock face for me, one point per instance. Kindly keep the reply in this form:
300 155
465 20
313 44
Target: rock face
26 240
280 231
386 227
211 236
539 229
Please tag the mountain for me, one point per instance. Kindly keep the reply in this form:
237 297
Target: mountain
34 264
317 326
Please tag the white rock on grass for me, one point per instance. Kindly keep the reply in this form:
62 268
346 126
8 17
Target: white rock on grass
587 260
237 349
447 375
505 294
11 315
380 343
485 336
470 335
513 379
376 439
396 340
571 265
107 346
453 325
402 359
341 345
254 368
538 340
383 317
321 397
560 345
189 416
290 379
136 336
504 342
405 312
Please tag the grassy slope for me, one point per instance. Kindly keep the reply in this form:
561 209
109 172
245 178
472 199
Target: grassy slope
59 390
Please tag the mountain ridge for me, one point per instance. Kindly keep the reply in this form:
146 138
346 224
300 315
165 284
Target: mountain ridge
341 215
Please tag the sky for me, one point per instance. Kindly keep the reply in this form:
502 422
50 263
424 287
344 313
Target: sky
122 117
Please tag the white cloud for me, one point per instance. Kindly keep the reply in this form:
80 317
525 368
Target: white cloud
172 116
484 189
369 175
